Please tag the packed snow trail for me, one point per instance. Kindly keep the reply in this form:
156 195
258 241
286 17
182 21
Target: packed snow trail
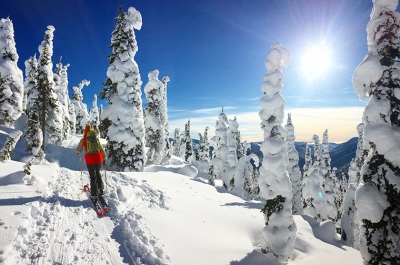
62 227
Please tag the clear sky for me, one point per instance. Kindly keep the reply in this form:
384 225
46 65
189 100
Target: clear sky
214 53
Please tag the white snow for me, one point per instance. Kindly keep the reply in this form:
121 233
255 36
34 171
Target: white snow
165 215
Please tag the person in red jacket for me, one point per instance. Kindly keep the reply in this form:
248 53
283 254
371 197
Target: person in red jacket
93 163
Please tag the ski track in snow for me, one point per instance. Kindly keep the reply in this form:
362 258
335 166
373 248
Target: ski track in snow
63 228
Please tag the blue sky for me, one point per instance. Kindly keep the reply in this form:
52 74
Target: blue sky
214 53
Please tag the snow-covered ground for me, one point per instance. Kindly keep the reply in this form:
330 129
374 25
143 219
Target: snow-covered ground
165 215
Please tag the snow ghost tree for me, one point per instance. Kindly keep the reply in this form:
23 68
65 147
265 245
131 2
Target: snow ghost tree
80 108
49 109
176 145
94 115
187 143
219 142
122 120
11 77
164 121
204 152
155 138
279 234
293 168
378 194
62 93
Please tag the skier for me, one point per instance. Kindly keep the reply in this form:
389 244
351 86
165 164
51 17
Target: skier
94 156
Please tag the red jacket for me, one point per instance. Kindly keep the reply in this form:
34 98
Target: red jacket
92 158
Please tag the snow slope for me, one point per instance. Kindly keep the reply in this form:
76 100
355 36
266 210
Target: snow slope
165 215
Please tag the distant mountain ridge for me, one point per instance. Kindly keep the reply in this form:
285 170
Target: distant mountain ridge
341 154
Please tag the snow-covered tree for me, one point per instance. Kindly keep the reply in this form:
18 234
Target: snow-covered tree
176 145
123 118
94 114
80 108
62 93
102 133
203 151
154 123
11 77
378 194
6 151
327 183
312 195
164 120
187 143
293 168
220 152
231 142
348 221
279 234
49 109
33 133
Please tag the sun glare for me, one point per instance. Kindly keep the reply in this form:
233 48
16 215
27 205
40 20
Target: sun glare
316 61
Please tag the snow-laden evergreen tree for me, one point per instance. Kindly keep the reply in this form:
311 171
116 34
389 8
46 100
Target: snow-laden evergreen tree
95 115
231 141
327 183
204 152
11 77
361 152
33 133
80 108
101 129
49 109
232 178
63 97
176 145
164 121
279 234
293 168
204 148
154 123
72 116
378 194
122 119
220 152
312 195
187 143
6 150
350 223
307 167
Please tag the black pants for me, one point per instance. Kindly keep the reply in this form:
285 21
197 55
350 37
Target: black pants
96 183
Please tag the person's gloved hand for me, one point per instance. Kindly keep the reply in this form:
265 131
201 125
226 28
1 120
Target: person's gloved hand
104 162
78 153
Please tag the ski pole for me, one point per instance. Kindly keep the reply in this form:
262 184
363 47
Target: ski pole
105 173
80 162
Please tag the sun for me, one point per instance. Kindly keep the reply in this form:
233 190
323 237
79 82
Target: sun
316 61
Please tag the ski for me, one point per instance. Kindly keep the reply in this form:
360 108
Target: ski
104 204
99 211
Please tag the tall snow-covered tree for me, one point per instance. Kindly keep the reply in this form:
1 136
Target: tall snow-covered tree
154 120
176 145
330 210
62 93
49 109
94 114
378 194
279 234
293 168
220 152
187 142
350 223
11 77
33 132
312 195
164 120
231 141
123 118
80 108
